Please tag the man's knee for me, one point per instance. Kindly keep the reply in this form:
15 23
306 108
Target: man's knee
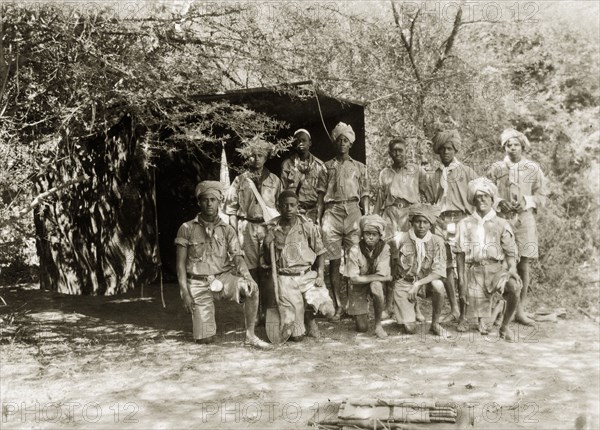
362 323
512 288
437 287
376 288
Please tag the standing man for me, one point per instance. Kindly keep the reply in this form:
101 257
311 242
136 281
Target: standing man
368 269
210 266
343 191
486 255
245 211
300 173
398 191
420 264
447 187
522 191
298 250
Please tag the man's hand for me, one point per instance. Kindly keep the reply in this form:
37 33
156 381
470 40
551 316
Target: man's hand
252 286
188 302
517 206
512 272
320 282
413 292
505 207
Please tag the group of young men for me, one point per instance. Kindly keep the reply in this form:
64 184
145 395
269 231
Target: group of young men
428 228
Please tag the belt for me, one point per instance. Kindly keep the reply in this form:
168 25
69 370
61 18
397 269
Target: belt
307 206
484 262
342 202
200 277
452 214
409 278
253 220
280 273
400 203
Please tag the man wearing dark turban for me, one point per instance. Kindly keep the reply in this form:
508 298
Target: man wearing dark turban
343 190
486 254
521 187
368 269
209 264
446 187
419 265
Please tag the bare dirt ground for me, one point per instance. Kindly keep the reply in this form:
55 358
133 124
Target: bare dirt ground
125 362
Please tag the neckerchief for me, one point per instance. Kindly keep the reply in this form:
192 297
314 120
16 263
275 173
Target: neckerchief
371 257
303 168
419 247
480 233
444 180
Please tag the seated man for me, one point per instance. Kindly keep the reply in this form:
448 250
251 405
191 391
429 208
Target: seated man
208 253
486 256
298 246
420 262
368 268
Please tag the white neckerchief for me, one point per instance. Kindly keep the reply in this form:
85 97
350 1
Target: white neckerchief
419 246
480 234
444 180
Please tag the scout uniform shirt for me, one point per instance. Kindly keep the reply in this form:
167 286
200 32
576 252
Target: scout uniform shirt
240 199
343 180
211 246
302 177
455 178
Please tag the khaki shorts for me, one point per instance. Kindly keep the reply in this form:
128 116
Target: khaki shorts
404 310
340 228
203 317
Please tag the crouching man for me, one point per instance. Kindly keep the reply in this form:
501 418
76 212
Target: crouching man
486 259
368 268
419 268
298 250
208 253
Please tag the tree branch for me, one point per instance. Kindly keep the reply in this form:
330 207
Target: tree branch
449 42
407 45
40 198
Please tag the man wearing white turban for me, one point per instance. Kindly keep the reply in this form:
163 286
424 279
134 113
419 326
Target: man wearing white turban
521 187
486 259
343 190
211 266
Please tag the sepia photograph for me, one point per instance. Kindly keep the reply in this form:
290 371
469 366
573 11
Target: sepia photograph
286 214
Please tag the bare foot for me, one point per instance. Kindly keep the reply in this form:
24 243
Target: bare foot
436 329
418 314
410 328
507 334
380 332
451 317
313 329
462 325
523 319
257 343
483 329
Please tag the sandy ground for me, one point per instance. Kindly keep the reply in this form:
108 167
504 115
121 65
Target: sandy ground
125 362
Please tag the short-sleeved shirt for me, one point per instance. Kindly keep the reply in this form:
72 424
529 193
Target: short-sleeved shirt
211 246
499 240
241 201
434 260
297 249
343 180
401 184
519 181
456 195
357 264
302 177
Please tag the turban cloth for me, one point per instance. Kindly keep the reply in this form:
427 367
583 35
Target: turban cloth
481 185
210 188
511 133
443 137
343 129
372 222
429 212
302 130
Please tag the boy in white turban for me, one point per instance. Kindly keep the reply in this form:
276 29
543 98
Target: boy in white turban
486 257
343 190
521 193
211 266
